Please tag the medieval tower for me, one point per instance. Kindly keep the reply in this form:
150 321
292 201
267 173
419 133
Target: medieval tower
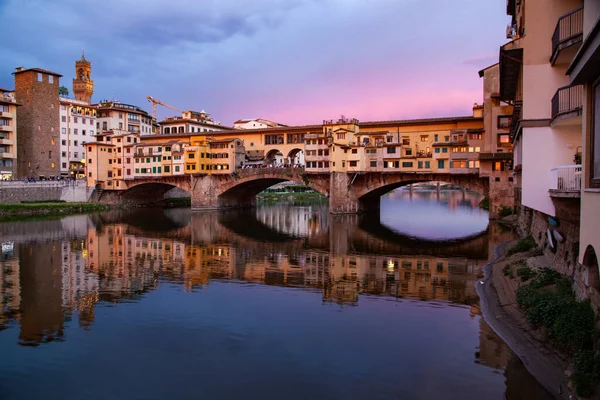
83 86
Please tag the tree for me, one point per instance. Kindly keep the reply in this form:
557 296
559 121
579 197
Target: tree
63 91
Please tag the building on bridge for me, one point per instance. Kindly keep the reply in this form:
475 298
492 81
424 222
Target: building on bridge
190 122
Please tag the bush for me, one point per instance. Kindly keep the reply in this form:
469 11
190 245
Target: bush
485 204
525 273
505 211
586 372
523 245
507 270
41 201
545 277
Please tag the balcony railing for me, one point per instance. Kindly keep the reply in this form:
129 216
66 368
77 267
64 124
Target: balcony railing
566 100
569 30
566 178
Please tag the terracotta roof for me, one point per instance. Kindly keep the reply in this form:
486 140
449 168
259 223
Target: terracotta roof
422 121
44 71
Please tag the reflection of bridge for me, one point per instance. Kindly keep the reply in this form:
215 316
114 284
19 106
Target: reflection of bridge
347 192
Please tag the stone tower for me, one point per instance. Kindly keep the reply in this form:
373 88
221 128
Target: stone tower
83 86
38 122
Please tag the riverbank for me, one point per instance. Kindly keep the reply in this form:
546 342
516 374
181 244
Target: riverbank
499 308
34 210
289 196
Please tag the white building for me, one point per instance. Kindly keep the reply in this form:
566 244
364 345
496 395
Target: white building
114 115
190 122
256 123
77 126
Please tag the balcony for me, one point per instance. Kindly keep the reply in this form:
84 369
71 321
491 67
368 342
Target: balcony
6 128
567 103
566 181
567 37
5 154
6 114
515 121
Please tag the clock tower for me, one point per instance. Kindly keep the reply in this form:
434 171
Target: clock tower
83 86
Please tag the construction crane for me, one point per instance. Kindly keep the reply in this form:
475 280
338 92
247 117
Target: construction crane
155 102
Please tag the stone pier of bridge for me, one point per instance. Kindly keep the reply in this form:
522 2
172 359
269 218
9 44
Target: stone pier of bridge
348 193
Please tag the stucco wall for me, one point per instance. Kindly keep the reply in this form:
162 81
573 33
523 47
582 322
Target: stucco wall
543 149
16 192
590 222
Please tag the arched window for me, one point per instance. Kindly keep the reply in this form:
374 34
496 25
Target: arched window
167 130
181 129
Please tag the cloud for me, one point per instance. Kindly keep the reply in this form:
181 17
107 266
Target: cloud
296 60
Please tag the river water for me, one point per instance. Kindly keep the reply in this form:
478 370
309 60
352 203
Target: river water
282 301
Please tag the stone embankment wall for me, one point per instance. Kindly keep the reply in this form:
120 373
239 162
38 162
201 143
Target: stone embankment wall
14 192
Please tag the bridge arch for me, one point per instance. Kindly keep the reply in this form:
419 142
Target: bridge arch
274 157
147 191
295 157
242 190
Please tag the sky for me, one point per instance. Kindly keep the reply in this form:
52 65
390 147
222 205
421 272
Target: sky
296 62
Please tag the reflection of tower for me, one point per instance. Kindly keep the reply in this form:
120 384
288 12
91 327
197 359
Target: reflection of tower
83 86
41 293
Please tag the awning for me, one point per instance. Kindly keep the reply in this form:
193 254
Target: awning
511 62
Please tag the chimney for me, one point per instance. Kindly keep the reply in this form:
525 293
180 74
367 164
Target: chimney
19 69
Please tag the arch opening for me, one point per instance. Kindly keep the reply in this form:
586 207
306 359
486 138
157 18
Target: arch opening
153 193
590 261
295 158
244 194
274 158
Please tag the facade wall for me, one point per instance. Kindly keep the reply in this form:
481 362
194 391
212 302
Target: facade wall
38 143
8 135
545 148
77 127
16 192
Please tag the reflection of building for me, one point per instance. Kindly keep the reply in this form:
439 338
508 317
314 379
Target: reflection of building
10 287
41 293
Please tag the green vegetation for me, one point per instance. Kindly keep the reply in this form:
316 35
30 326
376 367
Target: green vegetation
523 245
505 211
525 273
274 196
507 270
63 91
549 302
485 204
177 202
47 209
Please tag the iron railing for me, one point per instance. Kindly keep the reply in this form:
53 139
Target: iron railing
566 178
568 27
567 99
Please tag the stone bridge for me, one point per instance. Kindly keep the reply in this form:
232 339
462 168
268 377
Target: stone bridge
348 192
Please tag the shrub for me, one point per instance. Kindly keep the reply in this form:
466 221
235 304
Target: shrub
507 270
525 273
545 277
505 211
524 244
485 204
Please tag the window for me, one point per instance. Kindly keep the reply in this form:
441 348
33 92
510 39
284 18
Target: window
64 165
63 131
595 139
437 150
63 142
498 166
441 164
273 139
373 164
63 118
435 138
167 168
353 163
458 164
444 149
75 131
389 139
408 152
83 132
504 121
75 143
190 155
39 76
446 138
354 151
503 139
407 164
473 164
89 161
341 136
391 150
75 154
405 142
475 136
50 79
63 154
424 138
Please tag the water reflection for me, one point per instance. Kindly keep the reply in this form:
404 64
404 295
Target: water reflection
56 272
